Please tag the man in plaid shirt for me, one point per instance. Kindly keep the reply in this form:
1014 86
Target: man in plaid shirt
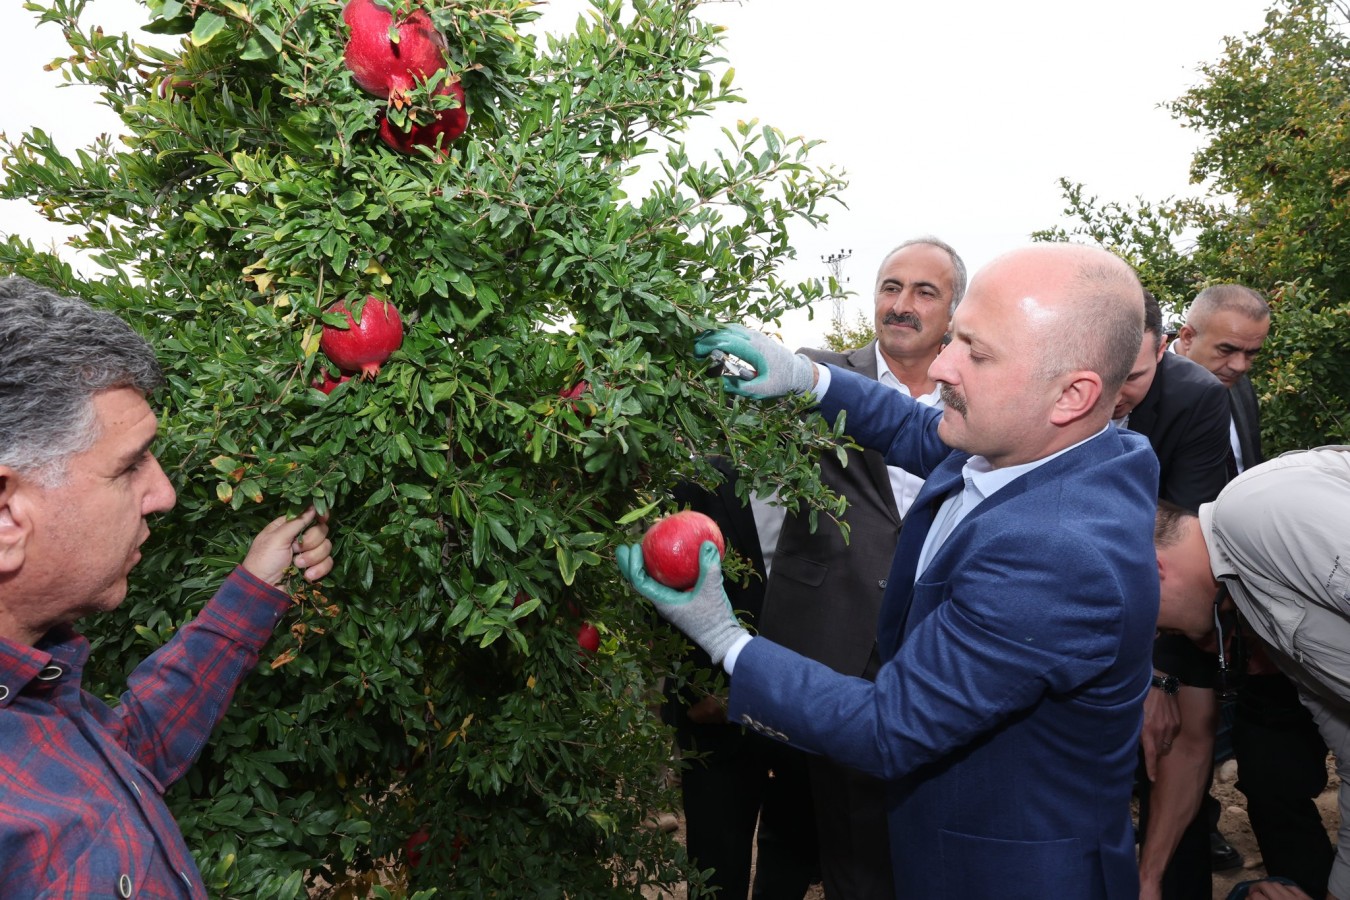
81 784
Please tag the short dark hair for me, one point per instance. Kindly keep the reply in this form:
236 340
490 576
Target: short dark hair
59 352
1153 318
1170 523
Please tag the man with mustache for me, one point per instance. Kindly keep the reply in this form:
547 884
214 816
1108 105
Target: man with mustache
918 286
83 813
1017 623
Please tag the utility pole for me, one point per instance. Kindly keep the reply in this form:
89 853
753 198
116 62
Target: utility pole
835 263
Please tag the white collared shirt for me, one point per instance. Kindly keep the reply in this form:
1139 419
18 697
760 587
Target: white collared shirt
982 481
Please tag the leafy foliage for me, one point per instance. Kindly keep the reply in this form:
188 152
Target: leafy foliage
1275 109
844 335
433 681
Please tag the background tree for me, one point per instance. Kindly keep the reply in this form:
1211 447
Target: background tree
428 702
844 335
1275 111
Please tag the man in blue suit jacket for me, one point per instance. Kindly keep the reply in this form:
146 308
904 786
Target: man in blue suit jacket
1018 620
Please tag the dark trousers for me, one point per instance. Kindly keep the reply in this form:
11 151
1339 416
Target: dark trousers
742 780
1282 767
855 847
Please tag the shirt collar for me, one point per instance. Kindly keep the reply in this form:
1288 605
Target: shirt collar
1219 563
20 664
983 481
884 375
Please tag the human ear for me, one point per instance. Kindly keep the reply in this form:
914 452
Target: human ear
13 524
1078 396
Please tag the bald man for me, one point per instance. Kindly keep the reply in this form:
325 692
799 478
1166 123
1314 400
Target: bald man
1017 623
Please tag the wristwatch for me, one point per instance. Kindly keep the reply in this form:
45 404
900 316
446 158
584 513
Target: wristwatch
1168 684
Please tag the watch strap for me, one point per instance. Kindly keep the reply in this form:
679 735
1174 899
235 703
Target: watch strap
1168 684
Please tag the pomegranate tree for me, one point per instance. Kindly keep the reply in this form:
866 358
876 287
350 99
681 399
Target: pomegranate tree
365 344
409 690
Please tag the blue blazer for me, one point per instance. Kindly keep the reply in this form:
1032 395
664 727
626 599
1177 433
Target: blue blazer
1006 714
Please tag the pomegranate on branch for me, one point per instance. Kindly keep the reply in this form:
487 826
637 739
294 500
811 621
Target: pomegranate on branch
588 638
449 123
366 345
392 68
384 67
328 383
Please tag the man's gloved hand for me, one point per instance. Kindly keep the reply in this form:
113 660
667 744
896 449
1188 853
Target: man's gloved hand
703 613
778 370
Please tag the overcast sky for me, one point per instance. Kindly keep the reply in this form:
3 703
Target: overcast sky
954 119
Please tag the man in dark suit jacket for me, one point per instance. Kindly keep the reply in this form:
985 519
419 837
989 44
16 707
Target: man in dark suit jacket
1225 327
742 790
1017 621
1281 756
1183 410
824 592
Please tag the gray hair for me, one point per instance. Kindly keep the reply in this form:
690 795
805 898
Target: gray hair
1105 329
958 266
59 352
1226 298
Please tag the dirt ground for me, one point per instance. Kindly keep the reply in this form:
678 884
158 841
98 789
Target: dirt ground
1233 824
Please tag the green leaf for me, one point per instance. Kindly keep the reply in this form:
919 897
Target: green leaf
640 513
208 25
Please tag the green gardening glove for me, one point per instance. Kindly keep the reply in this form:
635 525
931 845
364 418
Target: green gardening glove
703 612
778 370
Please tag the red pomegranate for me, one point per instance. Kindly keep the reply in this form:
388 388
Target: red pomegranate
364 346
588 638
411 847
573 396
383 67
449 124
670 547
329 382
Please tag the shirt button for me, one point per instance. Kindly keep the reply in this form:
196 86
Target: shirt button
882 584
124 887
4 692
50 673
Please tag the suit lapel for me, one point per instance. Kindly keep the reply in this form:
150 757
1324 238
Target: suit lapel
864 362
1242 405
941 482
945 479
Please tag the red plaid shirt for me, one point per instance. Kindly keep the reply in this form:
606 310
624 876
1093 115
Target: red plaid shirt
81 806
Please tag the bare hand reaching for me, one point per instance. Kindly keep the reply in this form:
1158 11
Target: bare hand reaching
302 542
